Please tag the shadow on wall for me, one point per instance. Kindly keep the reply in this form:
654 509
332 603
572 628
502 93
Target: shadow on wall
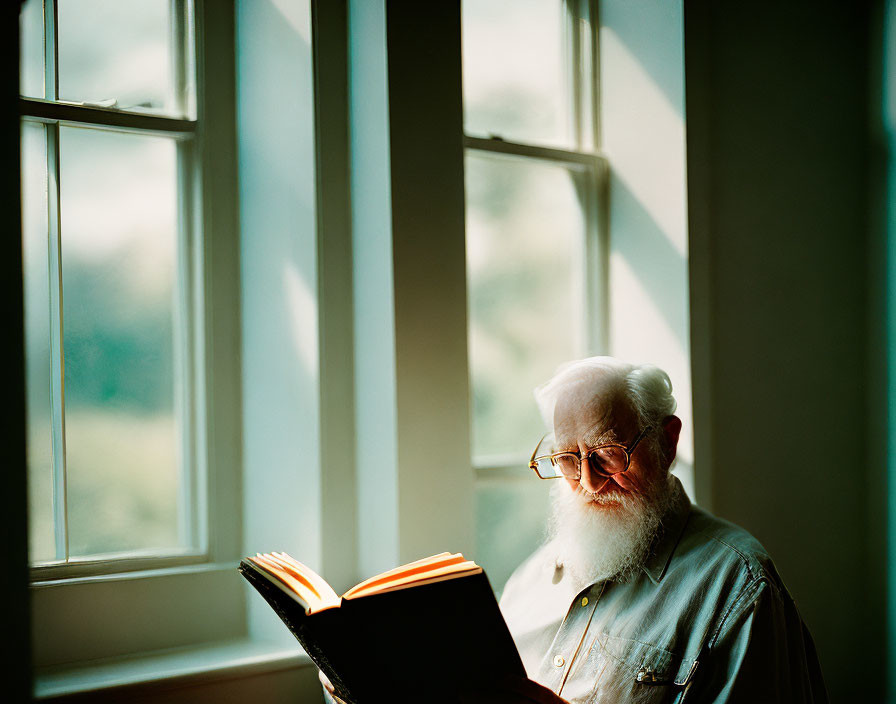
652 32
780 92
661 270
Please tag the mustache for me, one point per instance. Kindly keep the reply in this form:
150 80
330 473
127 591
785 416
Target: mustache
616 496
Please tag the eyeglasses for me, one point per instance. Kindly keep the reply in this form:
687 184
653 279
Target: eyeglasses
608 459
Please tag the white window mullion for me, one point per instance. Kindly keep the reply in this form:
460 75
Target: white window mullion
176 40
590 68
503 146
573 46
57 359
190 171
51 60
57 352
183 65
593 194
582 66
183 351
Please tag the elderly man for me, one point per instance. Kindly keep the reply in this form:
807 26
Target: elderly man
638 596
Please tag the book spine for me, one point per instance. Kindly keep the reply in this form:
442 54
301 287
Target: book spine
298 623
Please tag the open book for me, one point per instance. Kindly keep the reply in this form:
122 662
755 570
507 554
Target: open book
424 631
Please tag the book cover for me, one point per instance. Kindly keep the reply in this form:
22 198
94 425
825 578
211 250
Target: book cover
424 641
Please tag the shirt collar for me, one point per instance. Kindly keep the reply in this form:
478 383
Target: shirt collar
674 522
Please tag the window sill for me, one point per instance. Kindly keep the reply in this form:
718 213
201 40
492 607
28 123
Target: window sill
95 619
171 669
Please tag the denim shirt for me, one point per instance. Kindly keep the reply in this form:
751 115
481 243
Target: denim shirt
706 620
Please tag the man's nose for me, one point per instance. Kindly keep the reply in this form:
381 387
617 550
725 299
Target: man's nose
591 481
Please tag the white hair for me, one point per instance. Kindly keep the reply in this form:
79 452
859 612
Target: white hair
647 388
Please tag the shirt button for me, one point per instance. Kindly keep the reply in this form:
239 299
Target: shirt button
584 601
558 661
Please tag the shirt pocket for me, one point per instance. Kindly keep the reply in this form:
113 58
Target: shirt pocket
638 672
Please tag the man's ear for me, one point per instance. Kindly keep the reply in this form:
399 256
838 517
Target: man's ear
671 431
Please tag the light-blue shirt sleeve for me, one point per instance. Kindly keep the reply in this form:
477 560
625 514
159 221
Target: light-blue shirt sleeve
761 653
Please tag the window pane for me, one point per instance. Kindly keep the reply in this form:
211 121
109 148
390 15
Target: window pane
515 77
511 518
31 66
119 51
119 274
37 341
525 266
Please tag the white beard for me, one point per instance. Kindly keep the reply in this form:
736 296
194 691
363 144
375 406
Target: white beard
595 541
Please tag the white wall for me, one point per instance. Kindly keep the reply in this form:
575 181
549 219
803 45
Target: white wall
281 425
375 392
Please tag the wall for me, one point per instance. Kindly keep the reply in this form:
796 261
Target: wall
778 198
278 257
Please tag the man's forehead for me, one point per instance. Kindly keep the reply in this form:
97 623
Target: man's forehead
594 410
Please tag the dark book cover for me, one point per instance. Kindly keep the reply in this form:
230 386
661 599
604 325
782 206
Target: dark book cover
426 642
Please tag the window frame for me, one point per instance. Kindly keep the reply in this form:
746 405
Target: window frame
55 114
89 591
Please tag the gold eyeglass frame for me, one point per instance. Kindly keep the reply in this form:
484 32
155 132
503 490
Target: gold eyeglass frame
580 457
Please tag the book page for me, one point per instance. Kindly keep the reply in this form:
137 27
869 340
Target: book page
296 592
311 589
443 566
416 581
293 566
417 565
316 595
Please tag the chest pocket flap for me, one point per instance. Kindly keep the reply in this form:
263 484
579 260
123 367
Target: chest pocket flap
650 664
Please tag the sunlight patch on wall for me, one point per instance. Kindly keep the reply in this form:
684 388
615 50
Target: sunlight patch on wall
644 140
296 17
302 312
651 339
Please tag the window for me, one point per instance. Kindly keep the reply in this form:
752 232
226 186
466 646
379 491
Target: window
108 135
131 267
534 241
308 348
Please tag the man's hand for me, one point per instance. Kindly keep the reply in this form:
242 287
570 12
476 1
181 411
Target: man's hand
325 681
329 688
